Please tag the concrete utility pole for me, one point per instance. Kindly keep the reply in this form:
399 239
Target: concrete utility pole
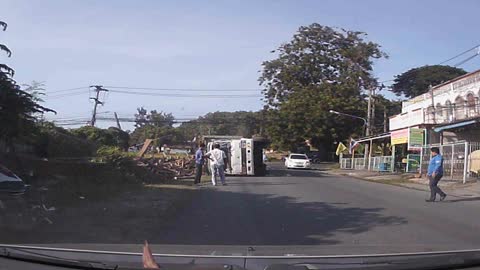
385 119
371 121
118 121
433 103
97 89
369 112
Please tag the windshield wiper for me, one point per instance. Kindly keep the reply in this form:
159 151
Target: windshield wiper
34 257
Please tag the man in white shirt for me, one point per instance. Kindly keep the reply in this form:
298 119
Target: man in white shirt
218 161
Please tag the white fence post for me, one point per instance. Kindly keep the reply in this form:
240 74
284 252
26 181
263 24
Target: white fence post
465 163
451 161
392 168
421 161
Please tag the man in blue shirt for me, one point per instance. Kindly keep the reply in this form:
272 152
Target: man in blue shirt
199 160
435 173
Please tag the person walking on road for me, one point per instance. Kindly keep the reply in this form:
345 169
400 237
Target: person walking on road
435 173
218 161
199 161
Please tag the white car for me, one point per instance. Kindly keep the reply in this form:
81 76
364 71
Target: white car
297 161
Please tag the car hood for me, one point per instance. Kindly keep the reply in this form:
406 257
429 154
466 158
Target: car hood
118 260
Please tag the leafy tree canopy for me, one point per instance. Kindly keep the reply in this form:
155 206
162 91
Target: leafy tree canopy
320 69
153 125
18 108
417 81
240 123
103 137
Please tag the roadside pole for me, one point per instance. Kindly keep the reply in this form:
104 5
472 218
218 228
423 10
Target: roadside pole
465 163
392 165
98 89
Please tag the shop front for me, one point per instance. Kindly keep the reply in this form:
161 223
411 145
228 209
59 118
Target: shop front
407 145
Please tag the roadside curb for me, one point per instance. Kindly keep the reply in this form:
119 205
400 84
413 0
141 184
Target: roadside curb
422 187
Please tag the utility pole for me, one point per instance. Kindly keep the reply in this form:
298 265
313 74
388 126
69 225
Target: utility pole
433 103
384 119
369 112
97 89
118 121
371 121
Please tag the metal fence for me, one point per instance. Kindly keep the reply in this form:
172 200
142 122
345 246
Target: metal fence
461 160
378 164
346 163
381 163
359 163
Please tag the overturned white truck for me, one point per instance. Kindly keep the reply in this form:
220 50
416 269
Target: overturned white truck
245 155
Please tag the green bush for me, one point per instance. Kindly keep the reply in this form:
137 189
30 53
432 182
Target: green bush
115 156
51 141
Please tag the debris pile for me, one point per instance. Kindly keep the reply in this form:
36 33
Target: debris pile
169 166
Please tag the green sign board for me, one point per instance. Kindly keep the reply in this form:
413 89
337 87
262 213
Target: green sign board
415 138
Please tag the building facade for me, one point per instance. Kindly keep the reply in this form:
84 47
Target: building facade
446 116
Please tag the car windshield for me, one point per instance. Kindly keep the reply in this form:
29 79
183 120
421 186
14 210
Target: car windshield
216 128
298 157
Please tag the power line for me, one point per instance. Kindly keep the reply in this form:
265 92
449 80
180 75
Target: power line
460 54
451 58
184 95
466 60
66 90
66 95
187 89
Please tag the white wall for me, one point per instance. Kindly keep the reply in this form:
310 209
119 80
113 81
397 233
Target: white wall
465 85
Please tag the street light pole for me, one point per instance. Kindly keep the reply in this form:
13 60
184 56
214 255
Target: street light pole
365 122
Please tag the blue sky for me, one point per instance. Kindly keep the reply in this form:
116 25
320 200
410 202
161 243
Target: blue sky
208 44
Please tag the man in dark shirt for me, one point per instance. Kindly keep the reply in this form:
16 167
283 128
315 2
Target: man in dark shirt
435 173
199 160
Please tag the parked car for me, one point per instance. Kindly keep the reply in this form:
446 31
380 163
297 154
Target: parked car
9 182
297 161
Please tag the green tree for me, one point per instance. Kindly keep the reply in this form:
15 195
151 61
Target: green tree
154 118
18 108
36 89
417 81
50 141
103 137
240 123
153 125
320 69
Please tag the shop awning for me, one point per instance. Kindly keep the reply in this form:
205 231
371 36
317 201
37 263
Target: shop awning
456 125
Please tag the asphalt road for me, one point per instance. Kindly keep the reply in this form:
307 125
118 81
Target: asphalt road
312 212
286 212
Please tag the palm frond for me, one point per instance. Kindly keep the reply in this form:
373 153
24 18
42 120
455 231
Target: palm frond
5 49
6 69
3 25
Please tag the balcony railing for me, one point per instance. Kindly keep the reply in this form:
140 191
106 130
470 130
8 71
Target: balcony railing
452 113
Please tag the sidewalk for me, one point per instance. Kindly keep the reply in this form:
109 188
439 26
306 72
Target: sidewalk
454 189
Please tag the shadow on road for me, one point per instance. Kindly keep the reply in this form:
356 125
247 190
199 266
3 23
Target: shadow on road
463 200
238 214
207 216
280 172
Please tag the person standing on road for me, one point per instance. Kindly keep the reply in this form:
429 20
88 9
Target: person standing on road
435 173
218 161
199 160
